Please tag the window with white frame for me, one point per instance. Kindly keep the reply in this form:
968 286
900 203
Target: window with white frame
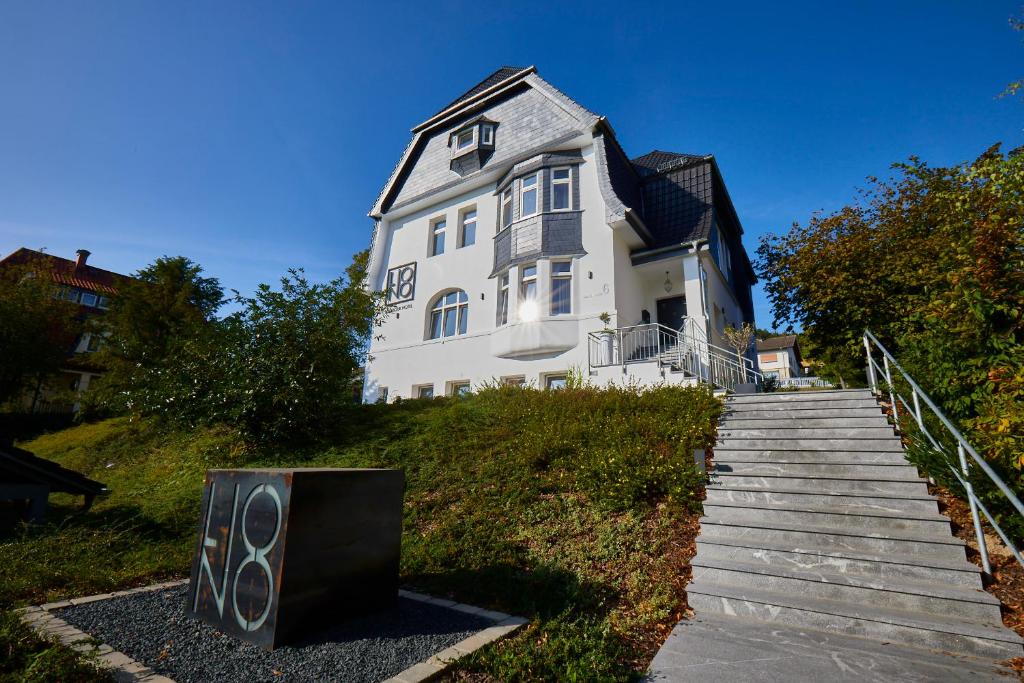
528 196
561 287
464 139
437 229
554 381
528 283
561 189
506 207
503 299
93 343
425 391
104 302
89 299
460 388
487 134
449 315
514 381
467 232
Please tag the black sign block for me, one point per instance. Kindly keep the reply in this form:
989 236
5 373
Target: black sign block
284 550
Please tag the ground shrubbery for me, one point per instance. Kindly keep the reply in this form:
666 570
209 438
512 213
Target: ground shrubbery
573 508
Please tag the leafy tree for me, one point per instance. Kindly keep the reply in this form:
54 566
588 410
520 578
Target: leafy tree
282 367
932 261
37 329
153 316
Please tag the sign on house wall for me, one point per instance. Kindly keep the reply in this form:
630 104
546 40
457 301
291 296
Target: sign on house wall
402 283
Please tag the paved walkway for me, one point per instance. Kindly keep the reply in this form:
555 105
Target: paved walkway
822 557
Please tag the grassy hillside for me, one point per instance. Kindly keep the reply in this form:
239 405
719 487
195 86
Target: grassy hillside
573 508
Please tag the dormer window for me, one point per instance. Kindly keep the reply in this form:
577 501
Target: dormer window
464 139
486 134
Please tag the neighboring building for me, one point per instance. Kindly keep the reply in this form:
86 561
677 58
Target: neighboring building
779 357
514 222
92 289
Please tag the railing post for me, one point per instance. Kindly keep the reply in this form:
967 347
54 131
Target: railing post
872 380
982 548
892 392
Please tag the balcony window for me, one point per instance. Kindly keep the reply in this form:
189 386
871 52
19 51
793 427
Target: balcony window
506 208
503 299
561 189
467 234
449 315
528 196
561 287
437 229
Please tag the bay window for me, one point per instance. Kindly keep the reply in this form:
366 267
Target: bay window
561 189
561 287
528 196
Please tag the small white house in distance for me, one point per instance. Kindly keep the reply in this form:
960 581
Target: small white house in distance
779 357
517 241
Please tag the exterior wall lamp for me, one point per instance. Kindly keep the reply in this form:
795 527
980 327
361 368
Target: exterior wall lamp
668 283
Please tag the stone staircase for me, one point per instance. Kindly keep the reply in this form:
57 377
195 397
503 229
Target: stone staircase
817 523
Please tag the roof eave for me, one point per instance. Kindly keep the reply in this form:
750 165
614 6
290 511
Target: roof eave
483 94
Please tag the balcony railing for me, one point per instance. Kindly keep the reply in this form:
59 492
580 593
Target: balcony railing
686 350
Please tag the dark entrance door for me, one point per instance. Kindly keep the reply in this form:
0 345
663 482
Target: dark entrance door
672 311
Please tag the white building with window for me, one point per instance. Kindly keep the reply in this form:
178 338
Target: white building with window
517 241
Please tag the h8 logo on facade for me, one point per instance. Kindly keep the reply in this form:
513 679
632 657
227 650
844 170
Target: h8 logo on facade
401 284
237 569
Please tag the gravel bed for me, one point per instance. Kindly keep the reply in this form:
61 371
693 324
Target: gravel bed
152 628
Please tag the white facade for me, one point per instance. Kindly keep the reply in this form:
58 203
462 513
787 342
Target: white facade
780 362
542 338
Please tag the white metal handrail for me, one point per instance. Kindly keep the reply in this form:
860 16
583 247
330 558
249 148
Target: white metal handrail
686 349
963 447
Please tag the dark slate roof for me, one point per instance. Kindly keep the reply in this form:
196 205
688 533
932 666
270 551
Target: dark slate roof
492 80
777 343
20 466
678 195
656 161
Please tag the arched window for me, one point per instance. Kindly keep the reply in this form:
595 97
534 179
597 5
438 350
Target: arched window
449 315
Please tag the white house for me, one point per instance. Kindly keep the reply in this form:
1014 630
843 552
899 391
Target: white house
779 357
517 241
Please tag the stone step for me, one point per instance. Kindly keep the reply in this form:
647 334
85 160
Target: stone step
819 469
852 433
855 457
865 541
839 485
732 422
854 520
761 444
975 605
830 501
957 572
798 396
724 649
784 413
798 406
865 619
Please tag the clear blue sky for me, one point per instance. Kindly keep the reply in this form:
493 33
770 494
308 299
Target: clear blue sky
255 136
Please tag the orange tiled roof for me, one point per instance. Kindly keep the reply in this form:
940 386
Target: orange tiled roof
65 272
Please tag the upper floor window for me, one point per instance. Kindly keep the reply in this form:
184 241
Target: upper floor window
561 287
467 233
487 134
437 229
503 299
464 139
506 208
94 342
528 196
528 283
449 315
89 299
104 302
561 189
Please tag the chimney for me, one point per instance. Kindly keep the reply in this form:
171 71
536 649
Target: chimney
83 254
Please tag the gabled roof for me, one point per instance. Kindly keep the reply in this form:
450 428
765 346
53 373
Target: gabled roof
786 341
502 74
65 272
